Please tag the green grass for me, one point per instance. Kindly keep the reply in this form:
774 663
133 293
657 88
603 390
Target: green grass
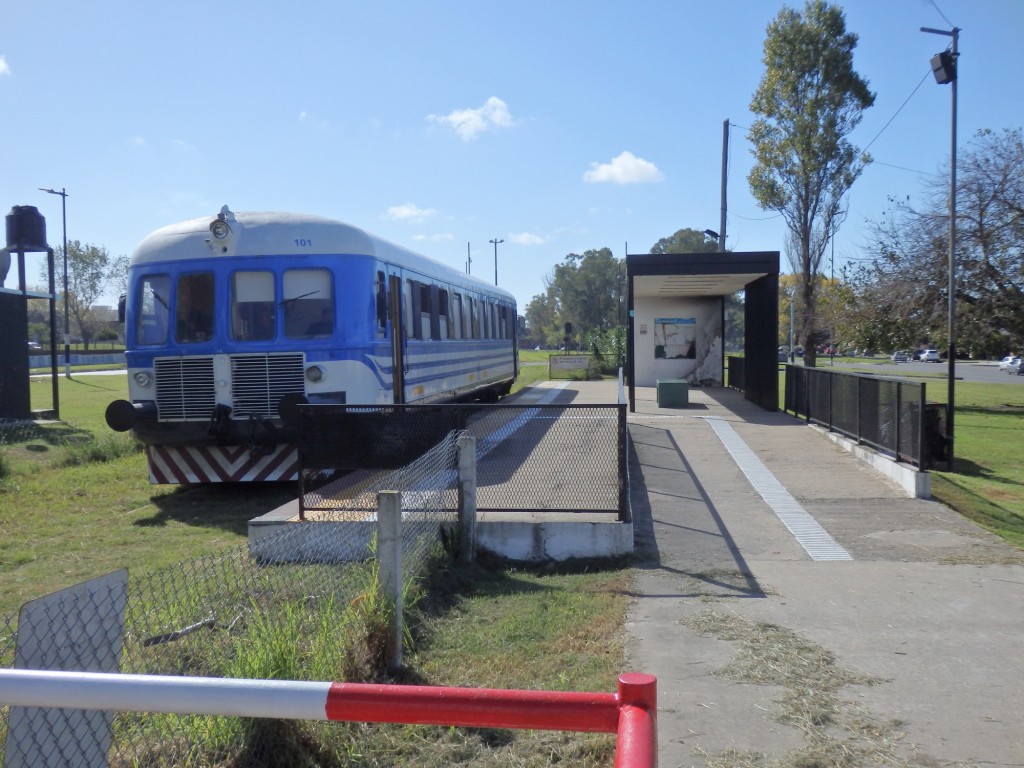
75 500
988 484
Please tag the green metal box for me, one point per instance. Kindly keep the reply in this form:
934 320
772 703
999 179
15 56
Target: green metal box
673 393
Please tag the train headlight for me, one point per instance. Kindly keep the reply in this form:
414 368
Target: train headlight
142 378
315 374
219 229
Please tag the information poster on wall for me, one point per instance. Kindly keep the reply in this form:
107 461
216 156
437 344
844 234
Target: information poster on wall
675 338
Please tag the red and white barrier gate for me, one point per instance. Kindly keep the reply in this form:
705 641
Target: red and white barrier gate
631 712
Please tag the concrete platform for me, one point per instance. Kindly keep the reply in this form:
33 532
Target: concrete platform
884 629
526 535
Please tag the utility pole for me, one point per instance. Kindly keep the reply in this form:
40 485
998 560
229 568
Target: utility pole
725 178
496 241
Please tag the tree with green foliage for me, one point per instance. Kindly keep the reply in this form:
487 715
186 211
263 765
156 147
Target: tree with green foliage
541 318
587 288
685 241
808 101
91 272
904 290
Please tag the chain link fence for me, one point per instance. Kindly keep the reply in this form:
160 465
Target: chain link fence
532 458
304 602
14 431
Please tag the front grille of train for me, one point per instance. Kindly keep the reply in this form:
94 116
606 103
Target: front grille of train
258 382
184 388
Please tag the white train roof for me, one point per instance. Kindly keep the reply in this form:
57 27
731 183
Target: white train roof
270 233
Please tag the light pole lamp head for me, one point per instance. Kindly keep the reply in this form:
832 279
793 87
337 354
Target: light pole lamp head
944 67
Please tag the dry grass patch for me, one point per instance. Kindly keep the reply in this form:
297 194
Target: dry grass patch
837 732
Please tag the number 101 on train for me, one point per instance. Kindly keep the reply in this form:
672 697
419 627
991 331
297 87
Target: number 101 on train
226 316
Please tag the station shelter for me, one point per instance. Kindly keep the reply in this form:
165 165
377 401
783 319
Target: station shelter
676 326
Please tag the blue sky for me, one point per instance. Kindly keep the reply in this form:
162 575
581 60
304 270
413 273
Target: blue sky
557 126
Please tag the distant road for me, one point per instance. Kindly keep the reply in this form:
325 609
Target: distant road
966 370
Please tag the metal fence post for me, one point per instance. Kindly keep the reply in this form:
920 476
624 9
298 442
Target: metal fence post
624 515
921 461
467 498
831 379
389 562
899 418
859 430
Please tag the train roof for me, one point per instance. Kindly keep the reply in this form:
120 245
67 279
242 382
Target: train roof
263 233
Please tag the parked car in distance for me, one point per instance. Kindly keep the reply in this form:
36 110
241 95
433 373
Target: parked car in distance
900 357
1010 364
34 346
931 356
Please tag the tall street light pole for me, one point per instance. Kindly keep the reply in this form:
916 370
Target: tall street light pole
67 325
496 241
944 67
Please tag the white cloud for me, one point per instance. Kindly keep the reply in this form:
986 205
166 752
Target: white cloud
470 123
409 212
307 118
526 238
184 146
4 68
440 237
138 142
627 168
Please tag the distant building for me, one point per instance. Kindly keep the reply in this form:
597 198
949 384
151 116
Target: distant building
104 314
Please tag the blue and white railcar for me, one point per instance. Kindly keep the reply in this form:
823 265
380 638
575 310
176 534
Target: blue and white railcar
226 316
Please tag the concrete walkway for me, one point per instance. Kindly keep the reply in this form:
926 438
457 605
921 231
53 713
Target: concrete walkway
798 609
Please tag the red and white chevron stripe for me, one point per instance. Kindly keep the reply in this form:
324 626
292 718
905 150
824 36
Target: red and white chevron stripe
220 464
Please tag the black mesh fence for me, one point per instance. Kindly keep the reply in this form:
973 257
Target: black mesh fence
887 414
531 458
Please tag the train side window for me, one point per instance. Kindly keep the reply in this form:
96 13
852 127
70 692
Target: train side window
474 314
456 315
442 314
308 303
253 306
407 309
425 330
194 308
382 304
154 309
503 314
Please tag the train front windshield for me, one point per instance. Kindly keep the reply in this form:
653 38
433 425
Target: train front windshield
261 308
